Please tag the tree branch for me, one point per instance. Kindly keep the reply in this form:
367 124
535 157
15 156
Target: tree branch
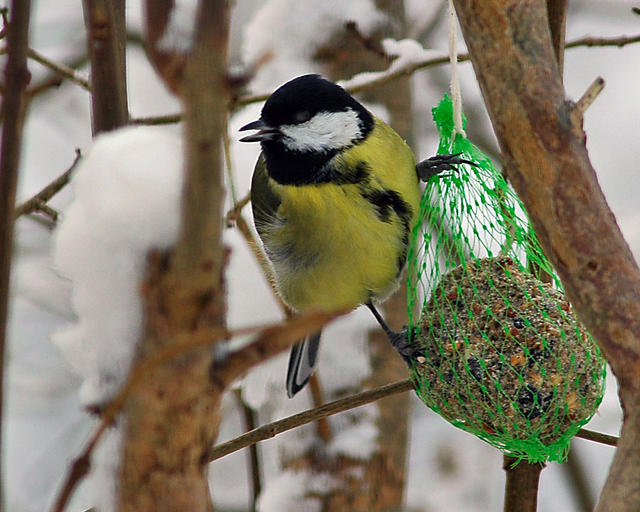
16 78
586 100
308 416
254 466
60 69
589 41
557 16
547 162
54 79
521 488
597 437
105 20
39 201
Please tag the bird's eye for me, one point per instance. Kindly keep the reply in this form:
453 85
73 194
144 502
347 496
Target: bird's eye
302 116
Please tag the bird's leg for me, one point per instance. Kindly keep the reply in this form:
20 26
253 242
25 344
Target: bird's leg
399 340
434 165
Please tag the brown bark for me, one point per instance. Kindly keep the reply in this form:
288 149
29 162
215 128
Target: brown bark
557 15
521 489
172 415
543 145
105 21
16 78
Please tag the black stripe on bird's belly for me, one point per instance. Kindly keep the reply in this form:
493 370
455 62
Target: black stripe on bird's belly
359 173
386 202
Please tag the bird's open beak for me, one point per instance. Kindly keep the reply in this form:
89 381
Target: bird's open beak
265 132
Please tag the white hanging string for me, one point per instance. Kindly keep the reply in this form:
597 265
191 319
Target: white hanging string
456 96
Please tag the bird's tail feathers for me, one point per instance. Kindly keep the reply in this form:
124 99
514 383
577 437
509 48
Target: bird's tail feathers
302 363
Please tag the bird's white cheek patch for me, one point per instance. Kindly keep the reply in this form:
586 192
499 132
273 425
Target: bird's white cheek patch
323 132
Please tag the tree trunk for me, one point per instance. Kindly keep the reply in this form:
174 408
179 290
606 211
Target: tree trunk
16 78
105 21
172 416
543 145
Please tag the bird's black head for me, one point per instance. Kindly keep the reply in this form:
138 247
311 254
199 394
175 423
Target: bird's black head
304 124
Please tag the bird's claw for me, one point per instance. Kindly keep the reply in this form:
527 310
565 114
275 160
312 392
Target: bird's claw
410 352
434 165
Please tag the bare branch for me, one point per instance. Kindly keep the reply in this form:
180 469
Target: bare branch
60 69
16 78
4 13
271 342
157 120
557 16
589 41
54 79
586 100
277 427
106 40
521 488
233 213
249 418
39 201
597 437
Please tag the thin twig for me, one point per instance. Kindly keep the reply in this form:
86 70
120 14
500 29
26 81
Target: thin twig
323 429
53 79
60 69
4 13
277 427
39 201
597 437
588 97
157 120
233 213
254 459
557 16
79 468
226 141
589 41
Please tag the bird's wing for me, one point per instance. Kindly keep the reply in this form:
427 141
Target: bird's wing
264 201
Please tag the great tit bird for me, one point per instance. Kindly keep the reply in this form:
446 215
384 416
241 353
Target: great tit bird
335 193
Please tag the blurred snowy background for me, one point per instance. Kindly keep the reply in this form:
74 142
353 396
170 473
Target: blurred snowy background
448 470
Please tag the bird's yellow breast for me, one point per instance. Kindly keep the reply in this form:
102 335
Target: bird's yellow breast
336 246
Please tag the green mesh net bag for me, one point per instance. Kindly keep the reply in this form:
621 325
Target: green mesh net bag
500 352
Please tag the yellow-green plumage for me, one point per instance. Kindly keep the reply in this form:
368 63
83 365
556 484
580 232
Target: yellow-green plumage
334 195
336 246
